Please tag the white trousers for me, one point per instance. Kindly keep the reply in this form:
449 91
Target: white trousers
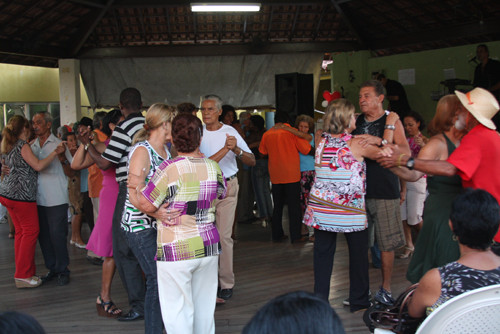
187 291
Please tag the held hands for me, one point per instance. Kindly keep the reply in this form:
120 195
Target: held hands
393 159
230 142
85 135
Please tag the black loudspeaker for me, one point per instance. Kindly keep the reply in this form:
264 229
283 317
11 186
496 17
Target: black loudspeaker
295 94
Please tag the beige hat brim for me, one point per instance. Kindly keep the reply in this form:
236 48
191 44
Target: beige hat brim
470 107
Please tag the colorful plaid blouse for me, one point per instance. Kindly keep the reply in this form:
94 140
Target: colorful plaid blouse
191 185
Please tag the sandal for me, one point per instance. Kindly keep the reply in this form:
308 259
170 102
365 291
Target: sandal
107 309
407 253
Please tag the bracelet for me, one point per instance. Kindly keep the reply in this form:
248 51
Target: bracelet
384 142
390 127
400 159
87 146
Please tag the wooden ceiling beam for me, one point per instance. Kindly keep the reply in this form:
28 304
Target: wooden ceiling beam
90 28
215 50
349 22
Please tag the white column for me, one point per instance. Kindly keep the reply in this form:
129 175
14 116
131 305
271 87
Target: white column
69 91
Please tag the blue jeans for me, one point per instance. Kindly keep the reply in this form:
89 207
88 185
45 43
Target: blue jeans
143 245
261 189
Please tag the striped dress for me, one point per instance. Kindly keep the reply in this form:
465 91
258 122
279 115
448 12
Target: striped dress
336 201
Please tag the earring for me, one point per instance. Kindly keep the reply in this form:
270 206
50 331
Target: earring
454 237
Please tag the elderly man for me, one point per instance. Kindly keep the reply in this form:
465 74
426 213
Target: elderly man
283 149
476 160
382 186
223 144
52 202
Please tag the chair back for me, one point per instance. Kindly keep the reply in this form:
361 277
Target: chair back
476 311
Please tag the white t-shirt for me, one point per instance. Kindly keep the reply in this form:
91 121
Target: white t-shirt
213 141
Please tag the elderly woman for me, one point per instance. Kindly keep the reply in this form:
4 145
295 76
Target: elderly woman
474 222
188 244
435 246
149 150
18 194
336 202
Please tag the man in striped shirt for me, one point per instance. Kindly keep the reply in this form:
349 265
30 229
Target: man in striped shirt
116 154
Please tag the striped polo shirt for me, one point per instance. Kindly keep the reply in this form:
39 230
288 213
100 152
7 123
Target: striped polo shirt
120 142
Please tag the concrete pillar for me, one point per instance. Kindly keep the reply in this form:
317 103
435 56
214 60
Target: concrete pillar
69 91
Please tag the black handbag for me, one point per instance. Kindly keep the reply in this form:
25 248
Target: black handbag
394 318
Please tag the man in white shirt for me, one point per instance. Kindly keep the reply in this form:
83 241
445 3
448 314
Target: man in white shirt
222 143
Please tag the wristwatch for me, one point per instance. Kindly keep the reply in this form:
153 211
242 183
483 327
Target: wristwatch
410 163
87 146
390 127
240 154
384 142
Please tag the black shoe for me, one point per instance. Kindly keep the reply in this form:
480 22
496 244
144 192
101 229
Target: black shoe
131 316
226 293
281 239
62 279
48 276
95 260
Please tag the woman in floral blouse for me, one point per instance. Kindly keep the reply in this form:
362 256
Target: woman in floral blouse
336 202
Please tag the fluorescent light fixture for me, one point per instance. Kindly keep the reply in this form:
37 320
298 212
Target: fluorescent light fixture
225 7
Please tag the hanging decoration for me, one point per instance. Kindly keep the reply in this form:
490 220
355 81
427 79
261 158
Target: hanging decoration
329 97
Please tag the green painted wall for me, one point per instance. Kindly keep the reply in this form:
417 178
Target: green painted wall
19 84
428 67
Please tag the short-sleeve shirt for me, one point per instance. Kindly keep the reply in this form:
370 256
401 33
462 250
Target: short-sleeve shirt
20 183
191 185
134 220
52 182
120 142
213 141
478 161
282 148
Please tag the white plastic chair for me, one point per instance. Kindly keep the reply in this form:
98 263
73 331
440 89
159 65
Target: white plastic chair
476 311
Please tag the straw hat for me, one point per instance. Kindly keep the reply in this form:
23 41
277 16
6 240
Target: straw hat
481 104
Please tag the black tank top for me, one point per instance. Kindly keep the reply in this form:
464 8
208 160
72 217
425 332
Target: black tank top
381 183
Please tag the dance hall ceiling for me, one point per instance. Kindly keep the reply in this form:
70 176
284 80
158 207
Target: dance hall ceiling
39 32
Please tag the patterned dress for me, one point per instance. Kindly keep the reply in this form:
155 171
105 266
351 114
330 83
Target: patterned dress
336 201
457 279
